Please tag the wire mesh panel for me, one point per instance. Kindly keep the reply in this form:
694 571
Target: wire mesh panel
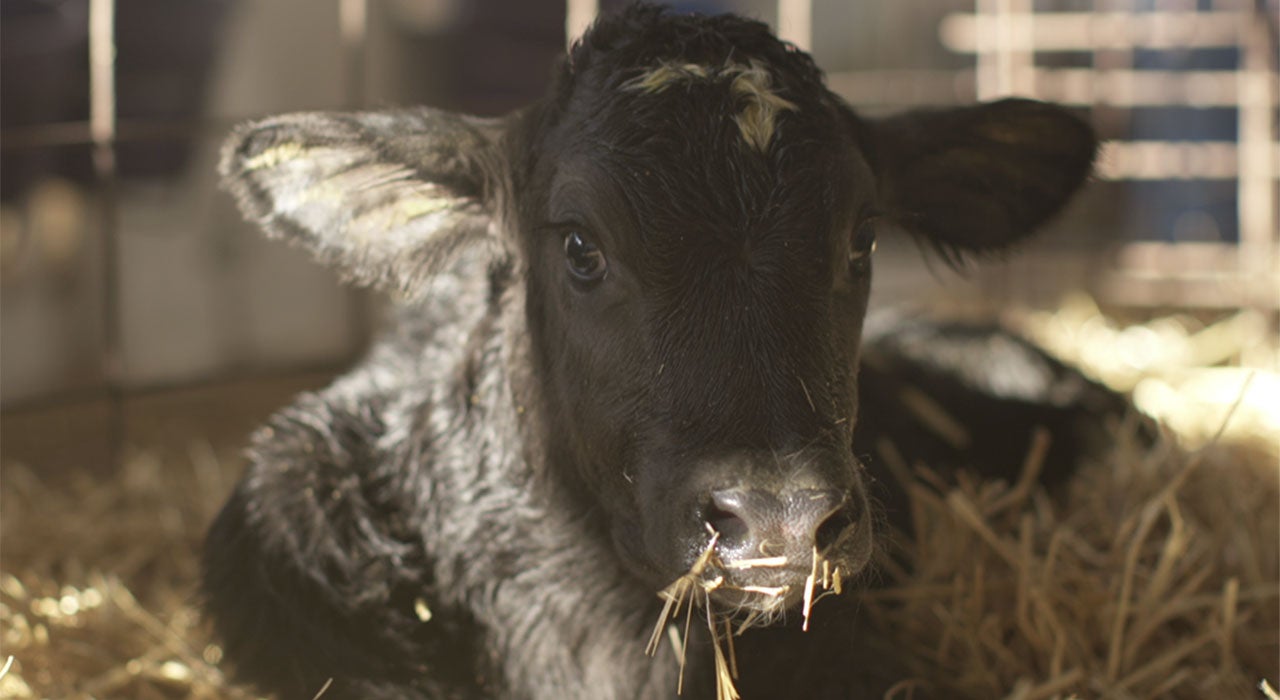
1186 94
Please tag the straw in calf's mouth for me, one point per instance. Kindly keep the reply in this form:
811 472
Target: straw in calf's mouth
694 588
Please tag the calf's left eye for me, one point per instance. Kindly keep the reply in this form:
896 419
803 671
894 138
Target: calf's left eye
584 259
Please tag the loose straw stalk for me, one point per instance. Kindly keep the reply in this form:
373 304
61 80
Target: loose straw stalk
693 589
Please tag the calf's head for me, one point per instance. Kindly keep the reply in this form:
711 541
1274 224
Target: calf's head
692 215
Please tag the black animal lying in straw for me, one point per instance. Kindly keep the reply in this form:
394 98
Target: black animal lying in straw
621 402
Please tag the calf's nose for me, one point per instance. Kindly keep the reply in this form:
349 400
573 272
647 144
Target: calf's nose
759 523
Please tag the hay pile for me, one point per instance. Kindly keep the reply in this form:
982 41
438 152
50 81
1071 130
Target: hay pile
1156 575
97 583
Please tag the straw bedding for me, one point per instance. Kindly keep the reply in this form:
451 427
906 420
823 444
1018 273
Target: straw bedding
1154 574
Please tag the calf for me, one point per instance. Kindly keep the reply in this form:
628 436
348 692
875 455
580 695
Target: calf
626 354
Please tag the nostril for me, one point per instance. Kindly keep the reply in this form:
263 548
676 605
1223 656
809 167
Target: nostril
738 514
732 527
833 528
794 521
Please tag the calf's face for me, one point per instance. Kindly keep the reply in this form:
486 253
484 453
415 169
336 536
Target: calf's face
692 215
698 250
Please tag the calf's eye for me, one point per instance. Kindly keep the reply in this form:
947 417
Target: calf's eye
585 261
864 242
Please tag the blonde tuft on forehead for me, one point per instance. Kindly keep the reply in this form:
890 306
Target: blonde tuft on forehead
757 120
665 75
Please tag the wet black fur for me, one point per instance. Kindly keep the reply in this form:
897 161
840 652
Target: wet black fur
524 454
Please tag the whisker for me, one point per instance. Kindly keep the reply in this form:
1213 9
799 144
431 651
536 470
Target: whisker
747 623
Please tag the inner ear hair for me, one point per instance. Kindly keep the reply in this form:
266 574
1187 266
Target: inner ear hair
386 198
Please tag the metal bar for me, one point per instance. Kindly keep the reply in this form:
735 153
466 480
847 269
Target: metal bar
102 130
1022 60
1005 65
899 88
1075 86
353 22
353 30
985 47
1085 31
70 397
1108 119
102 61
1140 88
1189 290
578 15
1257 173
795 23
129 131
1180 160
1072 86
1004 47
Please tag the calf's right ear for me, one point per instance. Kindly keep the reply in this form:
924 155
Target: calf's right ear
979 178
387 198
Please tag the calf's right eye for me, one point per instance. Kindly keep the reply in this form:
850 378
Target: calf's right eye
586 262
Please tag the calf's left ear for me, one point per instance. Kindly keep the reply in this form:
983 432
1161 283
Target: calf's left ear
979 178
386 198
